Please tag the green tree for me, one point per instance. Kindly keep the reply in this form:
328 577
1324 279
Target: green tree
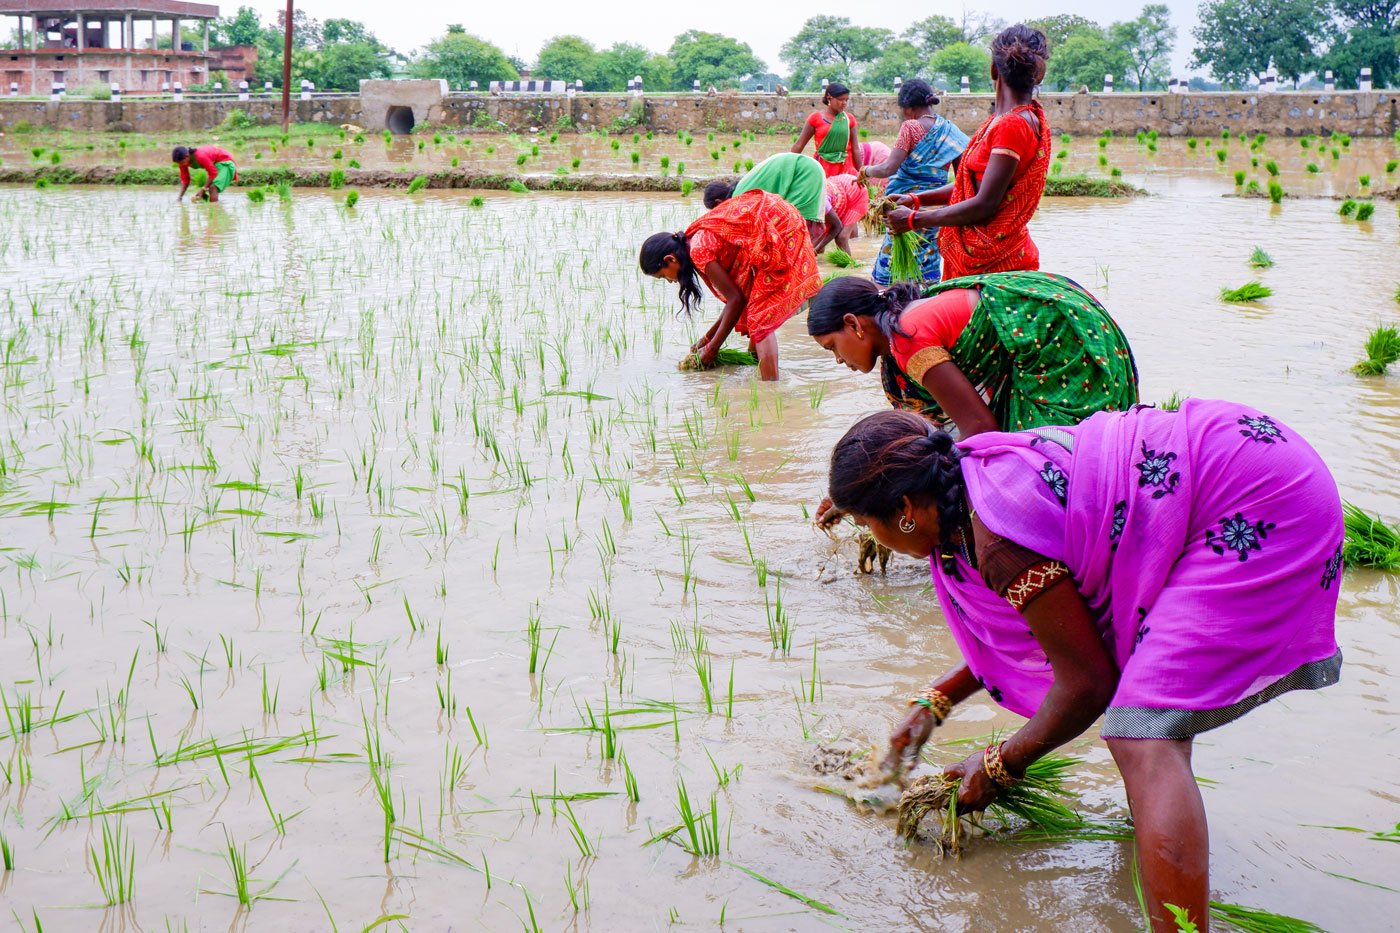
1367 34
568 58
623 61
1148 40
711 58
933 33
1083 59
344 64
901 59
462 58
306 32
1059 28
831 45
949 64
1238 39
243 28
349 31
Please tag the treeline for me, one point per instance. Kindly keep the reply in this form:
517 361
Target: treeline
1236 40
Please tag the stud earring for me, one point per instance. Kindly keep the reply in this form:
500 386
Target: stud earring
906 525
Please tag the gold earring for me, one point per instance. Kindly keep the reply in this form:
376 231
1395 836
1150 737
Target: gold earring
906 524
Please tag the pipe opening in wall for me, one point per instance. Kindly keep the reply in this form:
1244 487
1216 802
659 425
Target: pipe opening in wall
399 120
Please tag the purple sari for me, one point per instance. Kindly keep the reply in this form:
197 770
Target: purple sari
1207 543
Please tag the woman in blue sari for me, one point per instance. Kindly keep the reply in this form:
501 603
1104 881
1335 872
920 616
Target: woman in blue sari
927 145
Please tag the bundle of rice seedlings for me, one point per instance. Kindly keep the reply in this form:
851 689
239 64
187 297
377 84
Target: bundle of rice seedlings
1260 259
476 201
1348 208
1034 801
1254 920
1249 291
1173 402
284 190
256 195
1369 542
1382 349
418 184
518 186
1275 192
840 258
691 362
1364 210
352 197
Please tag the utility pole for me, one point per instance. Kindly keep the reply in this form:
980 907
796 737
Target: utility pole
287 71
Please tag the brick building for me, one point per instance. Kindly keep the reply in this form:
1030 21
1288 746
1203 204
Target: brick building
87 43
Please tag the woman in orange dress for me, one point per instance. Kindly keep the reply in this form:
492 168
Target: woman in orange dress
983 223
838 148
754 253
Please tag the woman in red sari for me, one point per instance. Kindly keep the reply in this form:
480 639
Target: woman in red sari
838 149
754 253
982 228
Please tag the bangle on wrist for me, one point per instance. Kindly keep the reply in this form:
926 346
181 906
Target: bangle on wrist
996 768
936 702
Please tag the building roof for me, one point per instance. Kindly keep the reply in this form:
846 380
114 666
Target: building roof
110 7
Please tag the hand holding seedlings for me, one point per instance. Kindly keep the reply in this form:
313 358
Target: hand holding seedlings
908 740
977 790
900 220
827 514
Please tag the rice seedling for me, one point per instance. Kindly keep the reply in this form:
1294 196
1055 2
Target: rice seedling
337 178
840 258
522 158
1239 178
1249 291
476 200
1391 166
1275 192
701 827
687 186
352 197
1313 168
517 186
114 865
256 195
1348 208
1364 181
1382 349
418 184
1221 155
1364 211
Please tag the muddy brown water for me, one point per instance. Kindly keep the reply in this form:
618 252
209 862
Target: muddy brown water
170 371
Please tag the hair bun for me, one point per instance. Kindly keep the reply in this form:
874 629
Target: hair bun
942 442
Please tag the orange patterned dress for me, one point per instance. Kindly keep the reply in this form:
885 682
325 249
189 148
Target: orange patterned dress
1002 244
762 242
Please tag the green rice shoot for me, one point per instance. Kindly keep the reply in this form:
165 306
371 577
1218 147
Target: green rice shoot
1370 541
1260 259
840 258
1382 349
1249 291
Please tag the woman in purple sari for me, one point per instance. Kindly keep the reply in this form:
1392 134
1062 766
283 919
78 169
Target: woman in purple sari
1168 571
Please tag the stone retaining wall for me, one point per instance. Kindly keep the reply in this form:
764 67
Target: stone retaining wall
1294 113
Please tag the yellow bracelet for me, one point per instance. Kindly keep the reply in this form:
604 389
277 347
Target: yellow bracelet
996 768
935 701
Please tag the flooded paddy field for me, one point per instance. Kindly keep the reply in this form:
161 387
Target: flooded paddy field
378 563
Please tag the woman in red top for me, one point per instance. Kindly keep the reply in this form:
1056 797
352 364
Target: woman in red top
838 150
218 166
1002 175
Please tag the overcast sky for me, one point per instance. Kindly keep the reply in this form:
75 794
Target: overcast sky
765 26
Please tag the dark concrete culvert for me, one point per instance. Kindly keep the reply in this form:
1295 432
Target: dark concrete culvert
399 120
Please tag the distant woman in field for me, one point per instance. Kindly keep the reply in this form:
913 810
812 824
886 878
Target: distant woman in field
1168 571
798 180
928 145
1002 352
982 223
754 253
838 149
217 163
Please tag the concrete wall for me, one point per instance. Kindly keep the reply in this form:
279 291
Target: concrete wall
1281 114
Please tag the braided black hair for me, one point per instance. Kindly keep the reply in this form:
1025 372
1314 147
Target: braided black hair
891 455
717 192
860 296
654 252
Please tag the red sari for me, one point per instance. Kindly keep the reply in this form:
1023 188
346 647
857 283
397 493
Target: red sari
1002 244
762 242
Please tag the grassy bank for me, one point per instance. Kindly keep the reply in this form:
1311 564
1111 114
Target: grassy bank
1064 186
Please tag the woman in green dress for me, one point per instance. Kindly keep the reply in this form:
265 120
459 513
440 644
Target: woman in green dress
1006 351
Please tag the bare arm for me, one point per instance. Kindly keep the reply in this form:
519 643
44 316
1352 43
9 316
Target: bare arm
857 157
982 206
803 138
1085 680
888 167
734 303
909 737
956 395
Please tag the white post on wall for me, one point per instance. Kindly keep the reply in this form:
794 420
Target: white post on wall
56 92
898 83
305 89
179 91
267 88
1108 84
695 86
965 86
1329 83
116 93
1364 84
637 85
14 88
242 90
165 87
473 86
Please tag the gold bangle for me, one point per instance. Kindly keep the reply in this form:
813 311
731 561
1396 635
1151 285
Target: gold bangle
996 768
935 701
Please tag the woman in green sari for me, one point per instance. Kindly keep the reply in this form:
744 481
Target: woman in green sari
1006 351
835 133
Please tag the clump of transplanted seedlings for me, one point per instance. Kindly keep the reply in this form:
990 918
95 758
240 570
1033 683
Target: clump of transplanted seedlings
1364 211
418 184
518 186
1259 259
1249 291
1348 208
352 197
1370 541
1382 349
